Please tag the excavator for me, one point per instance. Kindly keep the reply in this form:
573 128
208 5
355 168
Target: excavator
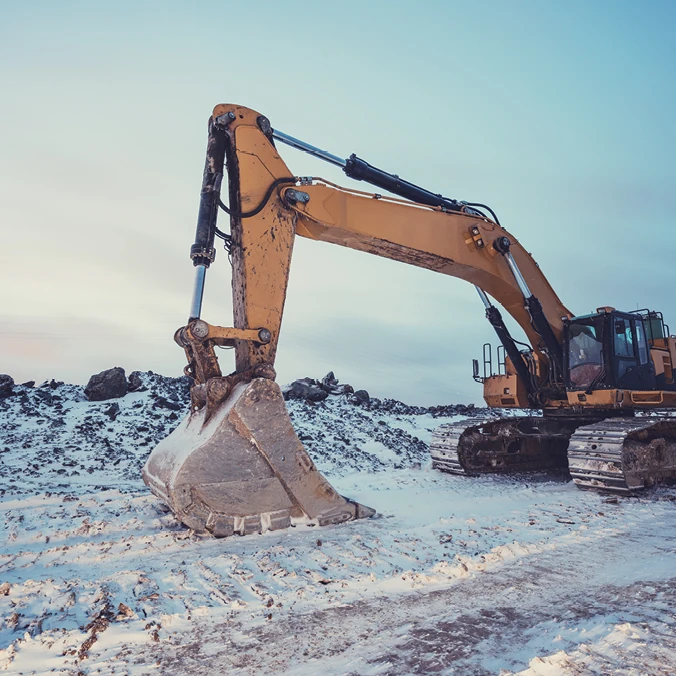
598 387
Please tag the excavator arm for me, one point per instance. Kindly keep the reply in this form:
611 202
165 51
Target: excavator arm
269 206
235 464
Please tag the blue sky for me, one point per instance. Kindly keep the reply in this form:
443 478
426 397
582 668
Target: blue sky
558 115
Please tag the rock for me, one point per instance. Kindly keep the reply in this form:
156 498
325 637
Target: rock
5 589
311 390
28 383
359 397
6 385
44 396
330 384
136 383
112 411
163 402
110 384
307 389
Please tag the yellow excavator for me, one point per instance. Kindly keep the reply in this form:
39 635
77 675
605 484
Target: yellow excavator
235 464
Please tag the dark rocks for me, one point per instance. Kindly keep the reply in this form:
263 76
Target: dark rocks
44 396
109 384
330 384
399 408
6 385
312 391
451 409
44 429
28 383
163 402
307 389
176 389
136 383
359 397
112 411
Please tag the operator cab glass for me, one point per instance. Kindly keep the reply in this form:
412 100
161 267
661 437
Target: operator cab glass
585 351
609 350
632 366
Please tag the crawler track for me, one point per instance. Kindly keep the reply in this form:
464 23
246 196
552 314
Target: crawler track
623 455
444 445
486 445
616 455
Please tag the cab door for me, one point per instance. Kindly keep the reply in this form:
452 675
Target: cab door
633 368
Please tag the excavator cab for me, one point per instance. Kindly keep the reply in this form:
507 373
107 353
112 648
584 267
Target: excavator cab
609 350
614 364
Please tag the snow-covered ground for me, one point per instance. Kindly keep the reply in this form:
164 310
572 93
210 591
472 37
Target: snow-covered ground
492 575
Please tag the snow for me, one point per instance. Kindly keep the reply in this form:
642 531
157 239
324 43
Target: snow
492 575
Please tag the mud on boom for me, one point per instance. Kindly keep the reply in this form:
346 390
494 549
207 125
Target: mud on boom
235 464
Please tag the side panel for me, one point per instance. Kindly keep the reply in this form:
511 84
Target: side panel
623 399
505 391
663 367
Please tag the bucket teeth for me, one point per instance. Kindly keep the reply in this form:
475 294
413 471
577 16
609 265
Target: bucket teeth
222 526
244 470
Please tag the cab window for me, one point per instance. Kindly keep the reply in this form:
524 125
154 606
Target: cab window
585 353
641 342
624 339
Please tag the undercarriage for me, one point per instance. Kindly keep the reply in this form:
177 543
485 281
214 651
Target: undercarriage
619 455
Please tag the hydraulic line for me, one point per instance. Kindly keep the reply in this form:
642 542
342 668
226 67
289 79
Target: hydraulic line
261 205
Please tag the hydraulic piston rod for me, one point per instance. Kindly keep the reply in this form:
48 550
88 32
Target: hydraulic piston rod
197 292
539 320
359 170
484 298
306 147
521 282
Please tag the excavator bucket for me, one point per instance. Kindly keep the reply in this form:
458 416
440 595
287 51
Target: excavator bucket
242 469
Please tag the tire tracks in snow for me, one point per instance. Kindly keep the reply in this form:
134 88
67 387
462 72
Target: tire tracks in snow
491 620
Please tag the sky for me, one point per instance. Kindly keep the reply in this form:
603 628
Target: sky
560 116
